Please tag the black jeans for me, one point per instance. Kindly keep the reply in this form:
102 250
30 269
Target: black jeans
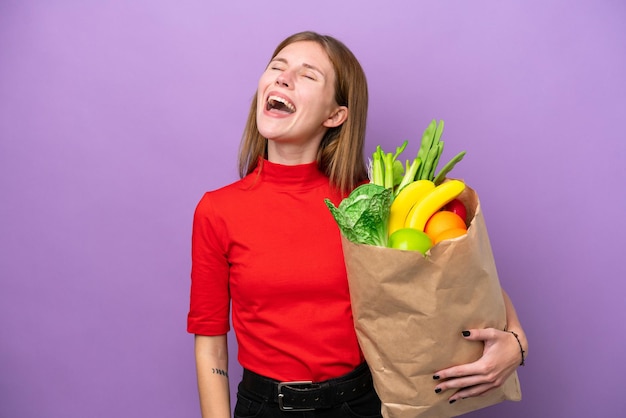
251 406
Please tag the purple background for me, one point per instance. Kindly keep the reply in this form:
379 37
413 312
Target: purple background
116 116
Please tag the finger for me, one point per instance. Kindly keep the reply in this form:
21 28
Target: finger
480 334
470 392
460 383
488 336
463 370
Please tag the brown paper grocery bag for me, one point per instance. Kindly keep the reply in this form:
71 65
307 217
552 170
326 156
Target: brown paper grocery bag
409 312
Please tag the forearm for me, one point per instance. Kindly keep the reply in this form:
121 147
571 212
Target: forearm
212 371
513 322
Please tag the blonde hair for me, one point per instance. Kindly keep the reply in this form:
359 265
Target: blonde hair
340 155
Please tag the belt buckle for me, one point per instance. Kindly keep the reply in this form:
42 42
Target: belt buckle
281 396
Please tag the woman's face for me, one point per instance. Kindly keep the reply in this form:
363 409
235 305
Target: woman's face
296 96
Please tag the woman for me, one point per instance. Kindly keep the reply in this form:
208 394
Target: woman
268 244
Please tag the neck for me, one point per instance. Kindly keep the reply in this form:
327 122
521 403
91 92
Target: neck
292 154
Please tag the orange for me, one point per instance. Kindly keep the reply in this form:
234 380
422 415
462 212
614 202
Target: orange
442 221
449 234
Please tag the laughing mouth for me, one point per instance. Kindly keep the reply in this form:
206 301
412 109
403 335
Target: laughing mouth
280 104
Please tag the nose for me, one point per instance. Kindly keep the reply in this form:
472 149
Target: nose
284 79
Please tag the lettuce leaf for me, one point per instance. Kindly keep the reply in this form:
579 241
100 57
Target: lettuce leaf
362 217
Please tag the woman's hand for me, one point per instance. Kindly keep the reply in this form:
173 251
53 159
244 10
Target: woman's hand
501 357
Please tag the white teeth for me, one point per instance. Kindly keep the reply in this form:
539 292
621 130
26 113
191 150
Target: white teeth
287 104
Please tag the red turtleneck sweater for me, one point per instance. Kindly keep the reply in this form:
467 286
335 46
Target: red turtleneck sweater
269 244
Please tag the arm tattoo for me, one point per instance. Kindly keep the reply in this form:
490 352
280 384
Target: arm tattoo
220 371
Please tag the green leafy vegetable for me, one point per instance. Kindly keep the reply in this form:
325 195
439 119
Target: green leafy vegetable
363 216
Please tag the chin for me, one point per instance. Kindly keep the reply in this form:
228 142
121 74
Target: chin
269 130
268 133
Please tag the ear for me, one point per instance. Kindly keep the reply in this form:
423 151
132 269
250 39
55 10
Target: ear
339 116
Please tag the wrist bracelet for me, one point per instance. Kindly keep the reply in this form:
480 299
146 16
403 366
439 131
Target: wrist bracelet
521 349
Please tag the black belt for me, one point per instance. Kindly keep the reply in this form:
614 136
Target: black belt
308 396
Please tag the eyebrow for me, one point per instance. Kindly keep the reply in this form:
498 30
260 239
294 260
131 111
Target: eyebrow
305 65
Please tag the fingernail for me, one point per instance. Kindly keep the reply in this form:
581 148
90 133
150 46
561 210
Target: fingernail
437 390
466 333
452 401
436 377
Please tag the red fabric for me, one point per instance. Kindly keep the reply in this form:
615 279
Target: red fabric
270 241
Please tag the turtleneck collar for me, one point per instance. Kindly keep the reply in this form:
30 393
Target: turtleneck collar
301 176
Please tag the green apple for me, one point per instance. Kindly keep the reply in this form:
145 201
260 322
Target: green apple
410 239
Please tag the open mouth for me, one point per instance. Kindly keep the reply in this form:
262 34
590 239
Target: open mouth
280 104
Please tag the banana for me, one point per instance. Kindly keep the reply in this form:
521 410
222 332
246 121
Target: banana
432 202
409 195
